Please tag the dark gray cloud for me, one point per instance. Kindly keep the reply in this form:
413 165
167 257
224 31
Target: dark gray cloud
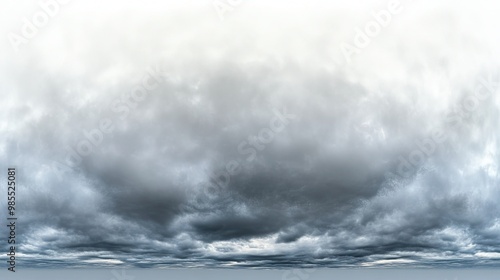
251 144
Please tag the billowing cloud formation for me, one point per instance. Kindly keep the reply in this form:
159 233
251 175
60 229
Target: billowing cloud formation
161 136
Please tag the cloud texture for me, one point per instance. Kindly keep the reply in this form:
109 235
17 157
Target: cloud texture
253 141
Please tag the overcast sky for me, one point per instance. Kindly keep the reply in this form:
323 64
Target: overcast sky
283 134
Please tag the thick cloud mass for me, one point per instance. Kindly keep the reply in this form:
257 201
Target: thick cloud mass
388 158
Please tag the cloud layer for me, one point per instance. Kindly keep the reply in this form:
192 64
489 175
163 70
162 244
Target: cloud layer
161 136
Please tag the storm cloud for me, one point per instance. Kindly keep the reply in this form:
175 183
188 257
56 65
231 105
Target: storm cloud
160 135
